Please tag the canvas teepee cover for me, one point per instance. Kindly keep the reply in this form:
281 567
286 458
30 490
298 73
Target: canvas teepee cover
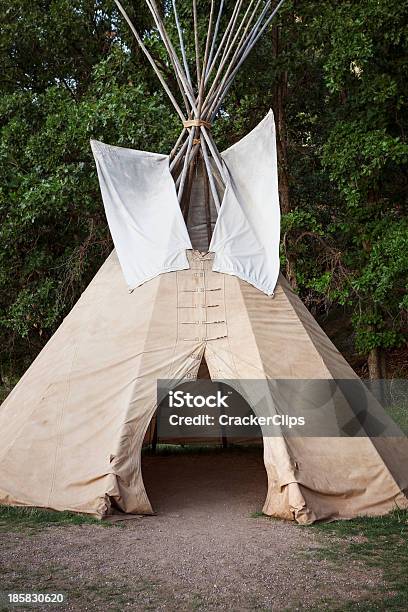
72 430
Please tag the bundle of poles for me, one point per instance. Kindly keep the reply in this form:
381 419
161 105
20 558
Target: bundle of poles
203 89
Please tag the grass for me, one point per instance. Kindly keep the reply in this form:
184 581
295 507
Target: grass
19 518
380 543
399 414
200 449
258 514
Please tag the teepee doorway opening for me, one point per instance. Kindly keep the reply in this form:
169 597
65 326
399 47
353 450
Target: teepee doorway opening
207 476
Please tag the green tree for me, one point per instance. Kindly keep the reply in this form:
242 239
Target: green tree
366 154
67 76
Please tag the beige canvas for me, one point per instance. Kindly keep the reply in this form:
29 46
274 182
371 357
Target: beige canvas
72 430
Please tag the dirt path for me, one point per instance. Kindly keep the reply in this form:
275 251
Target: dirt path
203 551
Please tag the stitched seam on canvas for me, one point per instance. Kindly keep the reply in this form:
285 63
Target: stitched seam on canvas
171 364
228 336
59 429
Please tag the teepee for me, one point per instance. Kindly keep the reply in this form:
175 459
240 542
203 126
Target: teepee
194 275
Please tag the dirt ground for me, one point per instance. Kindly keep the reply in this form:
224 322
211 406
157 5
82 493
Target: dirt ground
206 549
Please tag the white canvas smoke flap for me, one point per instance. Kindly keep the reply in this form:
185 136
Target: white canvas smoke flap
148 228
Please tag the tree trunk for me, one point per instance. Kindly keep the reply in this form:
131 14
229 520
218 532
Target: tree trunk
376 364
